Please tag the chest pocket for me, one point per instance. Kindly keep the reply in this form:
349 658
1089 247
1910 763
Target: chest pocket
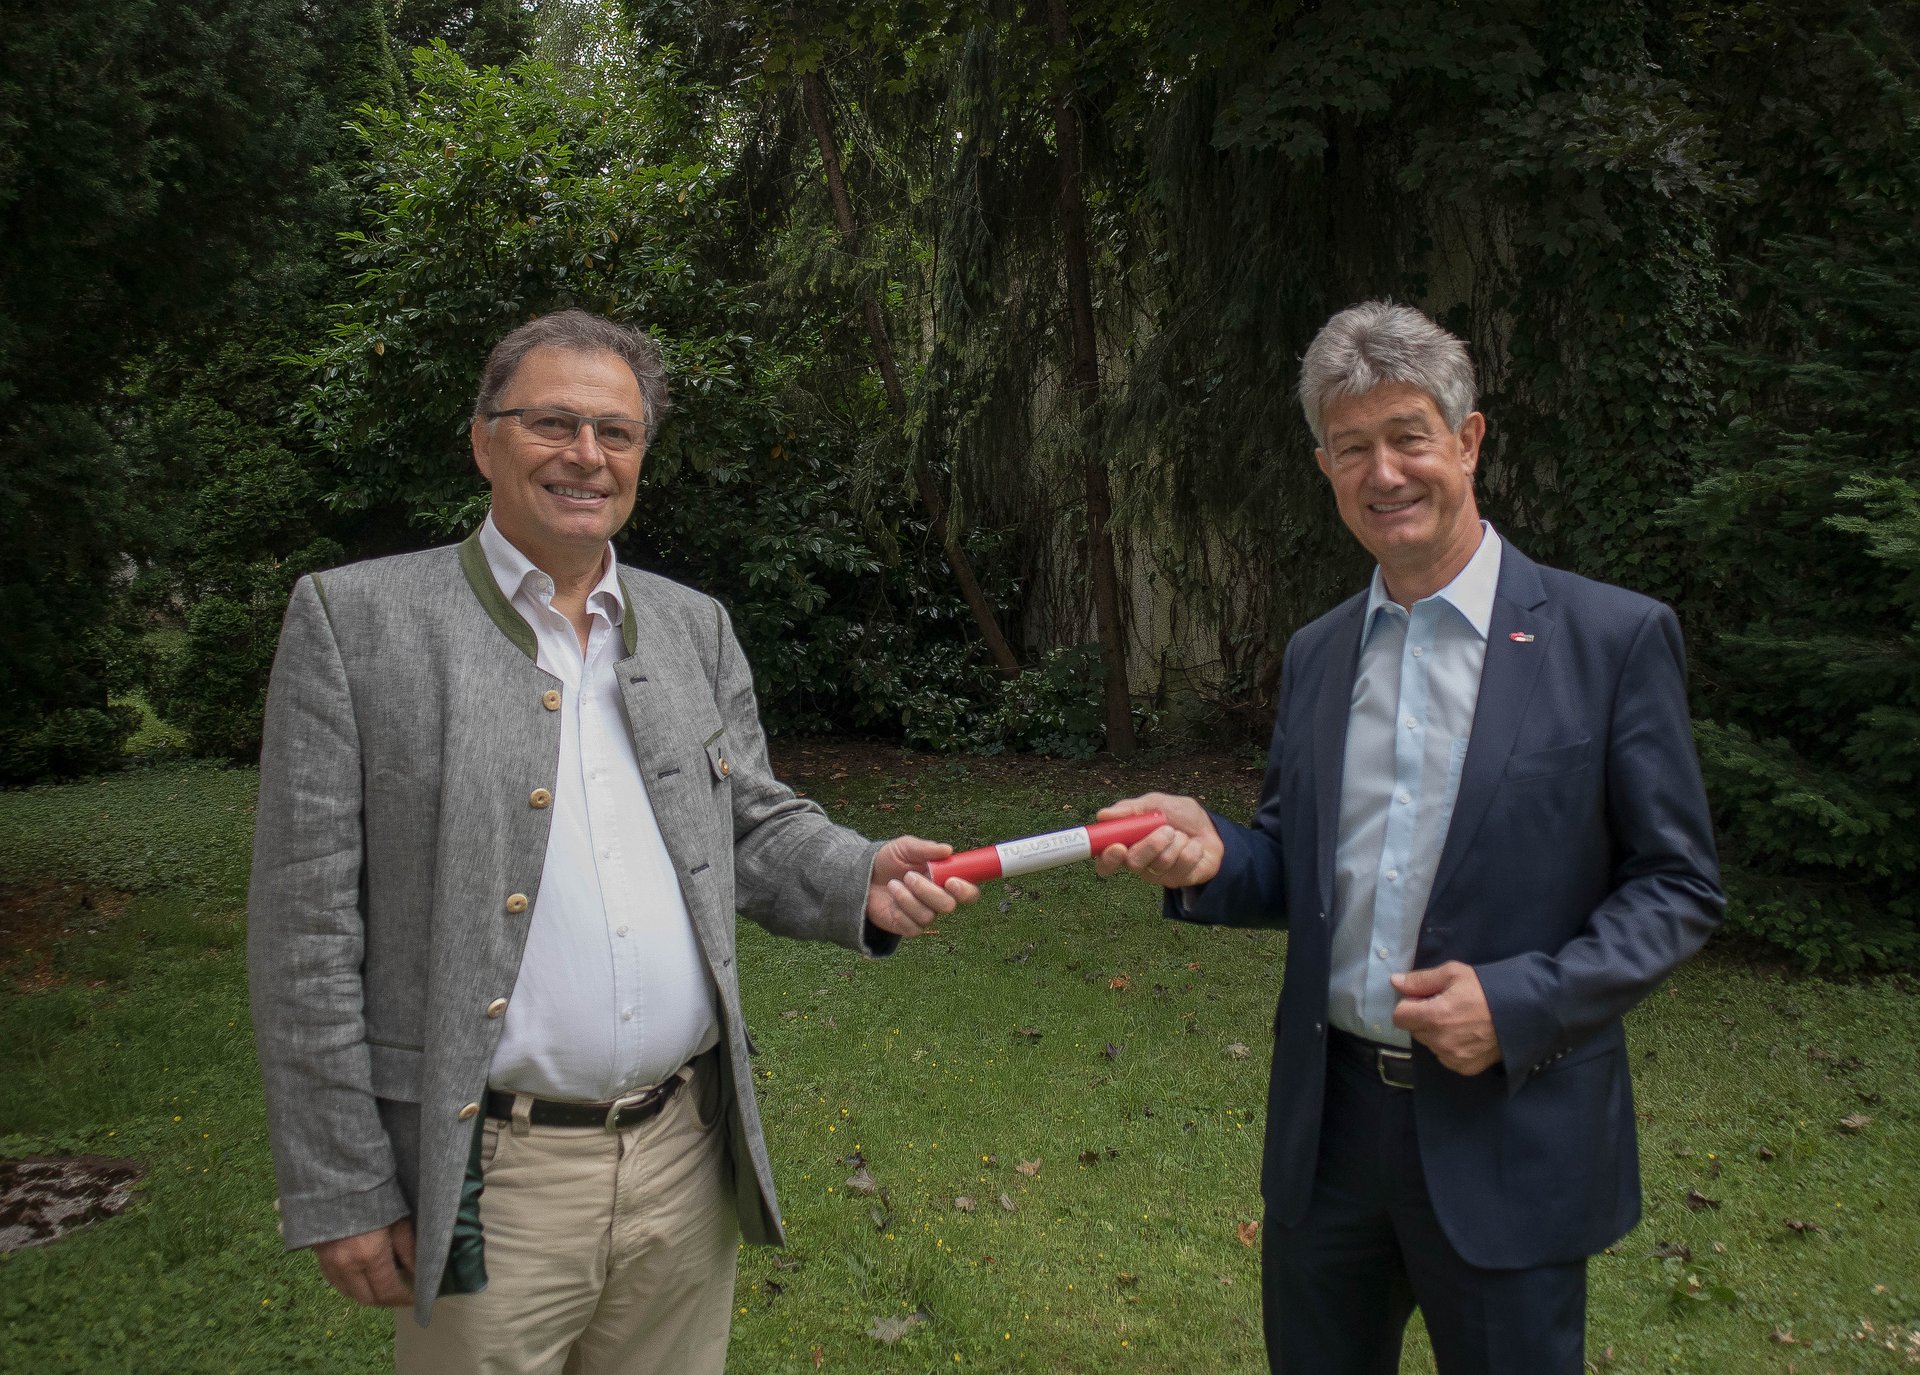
1549 763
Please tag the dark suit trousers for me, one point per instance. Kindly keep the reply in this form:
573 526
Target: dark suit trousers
1339 1286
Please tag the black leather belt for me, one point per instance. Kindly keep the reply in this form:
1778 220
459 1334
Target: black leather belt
1393 1064
629 1111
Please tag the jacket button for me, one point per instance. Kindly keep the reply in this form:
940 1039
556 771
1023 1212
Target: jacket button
725 767
517 903
550 699
496 1007
469 1112
539 799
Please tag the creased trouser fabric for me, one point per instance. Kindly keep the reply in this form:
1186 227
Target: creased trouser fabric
607 1253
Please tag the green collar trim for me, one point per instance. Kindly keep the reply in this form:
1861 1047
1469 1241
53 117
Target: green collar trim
629 623
473 563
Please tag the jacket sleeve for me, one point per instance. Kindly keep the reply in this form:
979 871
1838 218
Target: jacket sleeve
305 938
1666 897
795 872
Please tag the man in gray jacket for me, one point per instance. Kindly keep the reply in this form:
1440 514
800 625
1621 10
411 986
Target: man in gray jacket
512 796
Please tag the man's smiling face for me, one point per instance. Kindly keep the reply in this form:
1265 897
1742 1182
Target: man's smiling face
1404 484
559 505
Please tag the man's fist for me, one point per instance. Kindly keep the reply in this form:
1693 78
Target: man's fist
374 1268
1445 1010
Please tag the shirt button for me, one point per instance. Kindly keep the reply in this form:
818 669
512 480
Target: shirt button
626 1014
1417 651
1405 797
619 930
517 903
1411 723
1380 950
469 1112
607 853
496 1007
539 799
1393 876
550 699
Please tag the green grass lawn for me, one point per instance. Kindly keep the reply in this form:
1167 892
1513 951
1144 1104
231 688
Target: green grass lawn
1061 1021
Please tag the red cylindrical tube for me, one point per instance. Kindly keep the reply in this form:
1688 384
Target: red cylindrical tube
1031 853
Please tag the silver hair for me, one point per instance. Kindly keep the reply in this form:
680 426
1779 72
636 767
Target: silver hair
579 332
1378 342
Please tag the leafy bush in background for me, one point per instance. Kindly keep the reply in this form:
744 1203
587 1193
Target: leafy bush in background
502 195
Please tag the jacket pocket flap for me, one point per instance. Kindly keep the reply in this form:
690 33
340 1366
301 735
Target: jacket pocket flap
1542 763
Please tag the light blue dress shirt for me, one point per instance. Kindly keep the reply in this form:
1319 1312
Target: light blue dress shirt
1407 732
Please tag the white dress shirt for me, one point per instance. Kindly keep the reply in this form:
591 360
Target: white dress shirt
1408 726
613 992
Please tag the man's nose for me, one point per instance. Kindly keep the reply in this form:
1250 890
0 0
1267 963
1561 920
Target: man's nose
584 448
1382 468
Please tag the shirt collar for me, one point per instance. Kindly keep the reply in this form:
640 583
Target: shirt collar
513 571
1470 593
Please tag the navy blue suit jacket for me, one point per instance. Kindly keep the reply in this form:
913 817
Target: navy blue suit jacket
1578 870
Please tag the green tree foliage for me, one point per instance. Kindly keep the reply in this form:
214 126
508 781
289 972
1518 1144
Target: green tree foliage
500 196
1806 527
145 151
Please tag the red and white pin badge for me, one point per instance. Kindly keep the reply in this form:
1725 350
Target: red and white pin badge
1520 637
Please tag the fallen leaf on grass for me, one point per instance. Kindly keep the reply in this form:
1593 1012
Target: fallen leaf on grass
785 1263
1112 1052
1673 1250
1032 1033
861 1182
1007 1203
1697 1200
1855 1121
1029 1168
1764 1154
790 1014
1795 1224
1194 966
1089 1157
819 1357
1119 982
880 1218
1238 1051
965 1203
1783 1336
1247 1232
1126 1280
890 1329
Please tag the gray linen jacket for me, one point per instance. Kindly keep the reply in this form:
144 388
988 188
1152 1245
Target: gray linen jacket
397 856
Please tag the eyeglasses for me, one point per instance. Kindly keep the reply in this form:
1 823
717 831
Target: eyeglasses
617 434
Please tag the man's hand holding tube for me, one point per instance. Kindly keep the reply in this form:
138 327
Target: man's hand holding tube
1184 853
901 899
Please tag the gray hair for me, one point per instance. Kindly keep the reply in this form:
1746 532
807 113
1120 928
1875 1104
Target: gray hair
579 332
1377 342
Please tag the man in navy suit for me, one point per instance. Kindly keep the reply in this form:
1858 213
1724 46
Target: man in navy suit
1484 827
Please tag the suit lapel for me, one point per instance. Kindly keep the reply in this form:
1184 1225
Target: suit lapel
1507 679
1330 715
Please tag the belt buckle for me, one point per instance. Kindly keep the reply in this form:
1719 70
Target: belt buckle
619 1105
1383 1056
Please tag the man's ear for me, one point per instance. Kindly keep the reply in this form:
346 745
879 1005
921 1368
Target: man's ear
480 434
1472 430
1320 457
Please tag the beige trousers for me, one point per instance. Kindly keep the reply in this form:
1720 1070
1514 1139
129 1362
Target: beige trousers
608 1253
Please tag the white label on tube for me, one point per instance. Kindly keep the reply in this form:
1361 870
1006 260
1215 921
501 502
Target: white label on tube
1043 852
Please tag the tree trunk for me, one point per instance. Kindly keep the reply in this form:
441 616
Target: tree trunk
813 96
1084 382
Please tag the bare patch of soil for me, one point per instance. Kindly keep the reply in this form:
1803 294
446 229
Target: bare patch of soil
35 918
42 1198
